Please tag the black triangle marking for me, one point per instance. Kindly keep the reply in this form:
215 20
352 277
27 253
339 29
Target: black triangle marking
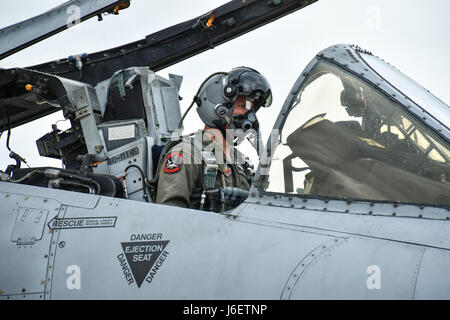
141 257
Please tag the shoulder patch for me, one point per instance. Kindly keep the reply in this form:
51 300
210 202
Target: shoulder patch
173 162
227 171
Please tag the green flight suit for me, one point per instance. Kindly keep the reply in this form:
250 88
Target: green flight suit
181 180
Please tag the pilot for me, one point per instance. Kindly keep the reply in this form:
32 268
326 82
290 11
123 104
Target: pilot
195 172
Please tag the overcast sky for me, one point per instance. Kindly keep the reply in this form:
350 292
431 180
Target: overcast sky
411 35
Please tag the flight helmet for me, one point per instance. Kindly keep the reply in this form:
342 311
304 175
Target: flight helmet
218 94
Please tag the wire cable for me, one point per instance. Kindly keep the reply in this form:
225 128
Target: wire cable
12 155
196 97
144 179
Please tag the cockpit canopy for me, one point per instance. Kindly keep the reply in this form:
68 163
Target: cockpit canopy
343 137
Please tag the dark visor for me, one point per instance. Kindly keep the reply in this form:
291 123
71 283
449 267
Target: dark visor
252 85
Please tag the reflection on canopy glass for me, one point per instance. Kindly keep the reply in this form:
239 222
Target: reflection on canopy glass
343 138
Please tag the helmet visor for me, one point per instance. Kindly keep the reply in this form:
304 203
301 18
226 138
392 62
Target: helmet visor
254 86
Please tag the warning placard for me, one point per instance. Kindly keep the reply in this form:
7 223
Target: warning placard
144 259
82 223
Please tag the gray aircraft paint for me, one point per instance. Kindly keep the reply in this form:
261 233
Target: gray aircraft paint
273 246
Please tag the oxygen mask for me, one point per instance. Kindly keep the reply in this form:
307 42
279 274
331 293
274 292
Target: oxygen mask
245 122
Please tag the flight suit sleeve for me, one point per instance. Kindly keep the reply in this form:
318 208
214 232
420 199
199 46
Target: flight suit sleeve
178 178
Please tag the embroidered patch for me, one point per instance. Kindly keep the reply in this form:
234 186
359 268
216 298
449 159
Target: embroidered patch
173 162
227 171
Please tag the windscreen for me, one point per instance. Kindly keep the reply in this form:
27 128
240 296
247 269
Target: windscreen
343 138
